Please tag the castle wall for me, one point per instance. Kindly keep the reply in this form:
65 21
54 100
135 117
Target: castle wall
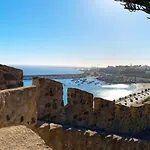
21 105
18 106
50 104
10 77
61 138
79 108
83 110
104 111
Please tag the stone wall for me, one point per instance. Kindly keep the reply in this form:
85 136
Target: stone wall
18 106
50 104
10 77
104 113
84 110
79 108
62 138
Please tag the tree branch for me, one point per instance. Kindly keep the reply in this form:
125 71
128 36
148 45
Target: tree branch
136 5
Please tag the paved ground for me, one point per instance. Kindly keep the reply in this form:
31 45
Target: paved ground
20 138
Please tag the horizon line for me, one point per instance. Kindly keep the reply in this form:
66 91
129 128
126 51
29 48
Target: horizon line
92 66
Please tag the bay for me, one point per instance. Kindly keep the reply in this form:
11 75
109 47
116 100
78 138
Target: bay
97 88
47 70
92 85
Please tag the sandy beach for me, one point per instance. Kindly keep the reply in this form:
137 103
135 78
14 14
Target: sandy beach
142 86
138 97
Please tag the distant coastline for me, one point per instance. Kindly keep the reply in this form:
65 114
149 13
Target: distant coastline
56 76
57 72
47 70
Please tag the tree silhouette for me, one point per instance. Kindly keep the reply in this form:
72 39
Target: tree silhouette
136 5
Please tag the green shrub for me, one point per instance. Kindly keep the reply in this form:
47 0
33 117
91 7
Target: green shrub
147 99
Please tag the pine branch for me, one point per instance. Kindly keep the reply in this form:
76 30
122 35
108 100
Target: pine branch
136 5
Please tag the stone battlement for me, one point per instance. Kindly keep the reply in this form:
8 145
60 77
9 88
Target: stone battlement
85 110
18 106
85 122
59 137
10 77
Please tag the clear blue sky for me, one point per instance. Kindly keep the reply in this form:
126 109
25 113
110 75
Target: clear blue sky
72 33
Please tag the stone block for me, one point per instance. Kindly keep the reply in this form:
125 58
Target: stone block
18 106
10 77
50 104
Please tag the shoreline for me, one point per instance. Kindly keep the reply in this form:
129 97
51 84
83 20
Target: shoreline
78 76
55 76
142 86
137 87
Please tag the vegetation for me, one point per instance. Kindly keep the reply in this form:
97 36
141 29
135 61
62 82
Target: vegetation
147 76
132 72
147 99
136 5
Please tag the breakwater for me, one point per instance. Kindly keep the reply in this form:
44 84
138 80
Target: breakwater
55 76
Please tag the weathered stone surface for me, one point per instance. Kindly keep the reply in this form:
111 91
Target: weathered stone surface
18 106
10 77
50 102
79 109
104 112
84 110
20 138
60 138
52 134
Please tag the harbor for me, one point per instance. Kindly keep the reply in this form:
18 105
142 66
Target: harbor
55 76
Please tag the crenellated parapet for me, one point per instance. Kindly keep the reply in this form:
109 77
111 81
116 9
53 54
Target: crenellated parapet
10 77
80 108
68 138
85 110
50 104
104 112
85 122
18 106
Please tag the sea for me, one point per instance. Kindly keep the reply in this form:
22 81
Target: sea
92 85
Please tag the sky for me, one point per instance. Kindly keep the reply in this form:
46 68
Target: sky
72 33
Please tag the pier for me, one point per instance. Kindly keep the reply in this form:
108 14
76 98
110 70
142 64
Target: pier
55 76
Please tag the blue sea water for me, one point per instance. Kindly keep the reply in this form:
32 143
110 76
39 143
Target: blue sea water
43 70
98 88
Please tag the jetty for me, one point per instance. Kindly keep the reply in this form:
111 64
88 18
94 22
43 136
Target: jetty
55 76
